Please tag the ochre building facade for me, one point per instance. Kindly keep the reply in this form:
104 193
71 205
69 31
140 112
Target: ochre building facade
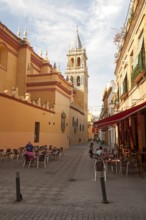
38 103
129 99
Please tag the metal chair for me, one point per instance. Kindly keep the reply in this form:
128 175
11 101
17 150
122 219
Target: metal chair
41 159
6 154
15 154
27 160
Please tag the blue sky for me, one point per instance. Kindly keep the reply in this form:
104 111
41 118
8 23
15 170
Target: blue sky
51 25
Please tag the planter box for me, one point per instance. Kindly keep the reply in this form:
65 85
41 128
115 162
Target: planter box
124 95
139 77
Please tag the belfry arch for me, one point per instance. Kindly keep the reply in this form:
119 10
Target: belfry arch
78 61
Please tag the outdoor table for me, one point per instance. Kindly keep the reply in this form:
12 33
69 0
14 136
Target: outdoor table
113 162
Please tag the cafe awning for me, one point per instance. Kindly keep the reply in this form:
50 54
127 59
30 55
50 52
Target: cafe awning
119 116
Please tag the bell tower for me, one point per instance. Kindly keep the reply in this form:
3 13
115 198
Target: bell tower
77 71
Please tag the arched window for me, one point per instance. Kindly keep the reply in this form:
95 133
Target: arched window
3 56
78 80
72 62
77 122
72 79
78 61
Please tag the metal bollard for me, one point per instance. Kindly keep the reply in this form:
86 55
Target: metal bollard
103 187
18 194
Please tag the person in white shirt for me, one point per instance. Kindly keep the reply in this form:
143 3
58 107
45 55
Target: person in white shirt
99 151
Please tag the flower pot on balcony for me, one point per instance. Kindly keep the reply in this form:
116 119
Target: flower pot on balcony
139 77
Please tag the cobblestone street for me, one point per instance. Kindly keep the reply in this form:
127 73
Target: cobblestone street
65 190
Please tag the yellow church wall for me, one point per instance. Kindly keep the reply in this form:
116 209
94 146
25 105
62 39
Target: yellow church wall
18 121
34 69
62 104
38 78
76 135
44 96
8 74
46 68
11 72
45 86
23 60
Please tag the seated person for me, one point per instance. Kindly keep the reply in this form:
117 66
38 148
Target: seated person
29 147
91 152
42 152
99 151
29 151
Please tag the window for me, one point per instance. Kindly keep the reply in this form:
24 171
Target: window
37 132
72 79
131 62
141 57
125 84
72 62
78 80
124 88
77 122
137 59
118 92
3 56
138 69
78 61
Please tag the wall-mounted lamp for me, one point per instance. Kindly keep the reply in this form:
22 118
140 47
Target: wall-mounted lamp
6 91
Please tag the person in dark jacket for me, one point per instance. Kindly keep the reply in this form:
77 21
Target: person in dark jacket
91 150
29 147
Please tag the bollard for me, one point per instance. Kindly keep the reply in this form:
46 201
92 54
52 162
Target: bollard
103 187
18 194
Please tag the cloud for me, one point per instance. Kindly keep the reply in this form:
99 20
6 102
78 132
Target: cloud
51 25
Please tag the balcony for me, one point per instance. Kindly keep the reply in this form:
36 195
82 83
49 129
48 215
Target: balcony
137 74
124 95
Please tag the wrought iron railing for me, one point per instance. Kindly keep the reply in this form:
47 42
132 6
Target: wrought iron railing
138 70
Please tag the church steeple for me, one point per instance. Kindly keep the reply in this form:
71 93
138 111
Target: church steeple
77 71
77 42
